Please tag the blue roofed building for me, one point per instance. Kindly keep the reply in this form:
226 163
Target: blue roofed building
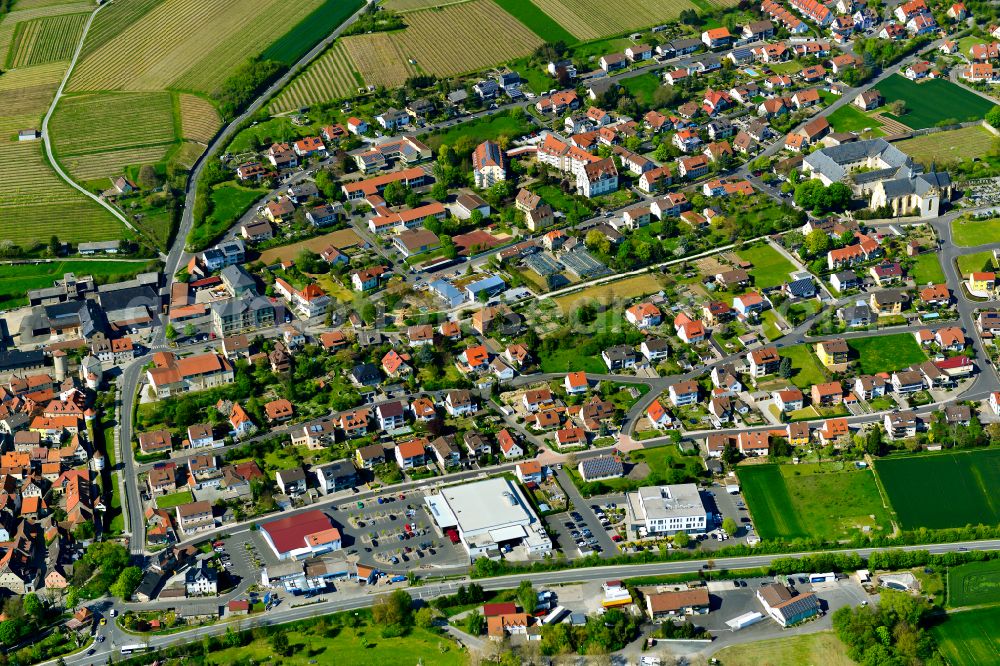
447 292
491 286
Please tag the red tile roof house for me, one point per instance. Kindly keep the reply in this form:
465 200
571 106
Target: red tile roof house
644 315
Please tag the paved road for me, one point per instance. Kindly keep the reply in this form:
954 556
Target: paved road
285 613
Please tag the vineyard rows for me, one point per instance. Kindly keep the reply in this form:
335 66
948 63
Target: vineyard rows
110 121
199 119
44 40
331 76
590 19
378 59
464 37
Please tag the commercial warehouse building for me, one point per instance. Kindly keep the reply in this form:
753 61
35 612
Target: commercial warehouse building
305 535
487 516
667 509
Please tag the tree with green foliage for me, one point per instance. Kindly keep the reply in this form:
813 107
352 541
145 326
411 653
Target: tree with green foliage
527 597
681 539
127 582
393 610
280 643
170 332
993 117
475 623
425 617
785 368
729 526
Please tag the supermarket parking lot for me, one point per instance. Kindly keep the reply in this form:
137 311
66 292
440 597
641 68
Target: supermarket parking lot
395 534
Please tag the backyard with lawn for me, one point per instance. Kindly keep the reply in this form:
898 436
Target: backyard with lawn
932 102
886 353
806 368
770 267
850 118
477 131
927 268
977 261
174 499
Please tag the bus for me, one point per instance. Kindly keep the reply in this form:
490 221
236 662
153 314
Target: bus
129 649
554 615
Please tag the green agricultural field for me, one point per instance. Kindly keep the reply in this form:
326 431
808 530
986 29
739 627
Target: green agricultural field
969 233
477 131
537 21
943 490
957 145
850 118
932 102
977 261
293 44
806 368
44 40
817 500
331 76
886 353
16 280
970 638
114 19
974 584
90 139
770 267
927 268
174 499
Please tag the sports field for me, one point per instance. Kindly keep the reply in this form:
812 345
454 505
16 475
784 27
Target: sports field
886 353
329 77
96 135
951 146
974 584
770 267
932 102
943 490
970 638
43 40
824 500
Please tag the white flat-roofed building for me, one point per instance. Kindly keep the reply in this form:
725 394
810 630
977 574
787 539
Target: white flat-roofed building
487 515
667 509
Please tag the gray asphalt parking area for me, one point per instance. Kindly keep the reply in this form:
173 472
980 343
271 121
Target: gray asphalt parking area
373 531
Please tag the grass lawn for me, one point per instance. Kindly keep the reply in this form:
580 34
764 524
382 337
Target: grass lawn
631 287
822 500
363 646
770 267
174 499
117 524
886 353
790 67
480 130
537 21
769 322
943 490
643 87
819 648
927 268
951 146
560 200
806 368
974 584
15 281
969 233
567 360
970 638
231 200
850 118
935 101
977 261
